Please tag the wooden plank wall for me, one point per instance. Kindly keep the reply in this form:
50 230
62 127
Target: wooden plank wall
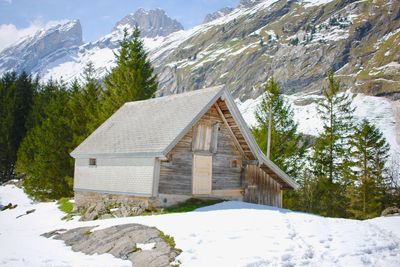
260 188
176 174
225 176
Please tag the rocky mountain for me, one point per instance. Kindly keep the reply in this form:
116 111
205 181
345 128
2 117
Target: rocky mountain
42 50
217 14
152 23
58 52
298 42
249 3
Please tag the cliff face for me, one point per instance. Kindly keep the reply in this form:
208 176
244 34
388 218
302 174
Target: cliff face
296 42
217 14
151 23
46 46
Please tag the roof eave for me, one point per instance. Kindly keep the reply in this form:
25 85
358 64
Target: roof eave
253 144
290 183
157 154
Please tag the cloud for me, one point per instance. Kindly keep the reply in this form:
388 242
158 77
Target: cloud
10 34
8 1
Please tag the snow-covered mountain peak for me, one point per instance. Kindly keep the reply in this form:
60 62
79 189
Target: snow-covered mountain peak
217 14
152 23
32 52
249 3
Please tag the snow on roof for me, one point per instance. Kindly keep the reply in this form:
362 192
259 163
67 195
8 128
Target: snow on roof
148 127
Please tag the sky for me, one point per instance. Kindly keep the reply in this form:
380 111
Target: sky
19 18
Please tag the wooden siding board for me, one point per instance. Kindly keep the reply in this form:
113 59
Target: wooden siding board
176 175
261 188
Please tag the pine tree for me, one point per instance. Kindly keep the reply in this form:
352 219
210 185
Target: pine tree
132 79
368 189
331 157
84 105
16 97
43 157
287 147
6 124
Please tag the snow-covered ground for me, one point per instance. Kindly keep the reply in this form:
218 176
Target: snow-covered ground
225 234
378 110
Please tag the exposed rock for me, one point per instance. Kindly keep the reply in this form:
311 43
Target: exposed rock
16 182
106 216
391 211
54 232
296 42
249 3
217 14
358 40
126 242
151 23
9 206
26 213
94 211
45 47
106 206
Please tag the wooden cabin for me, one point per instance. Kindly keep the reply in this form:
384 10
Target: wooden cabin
168 149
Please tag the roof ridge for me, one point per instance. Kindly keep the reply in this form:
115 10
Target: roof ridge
183 94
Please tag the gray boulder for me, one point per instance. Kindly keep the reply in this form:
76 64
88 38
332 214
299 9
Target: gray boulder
122 241
391 211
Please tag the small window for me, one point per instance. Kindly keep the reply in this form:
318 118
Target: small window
202 137
92 162
234 163
205 137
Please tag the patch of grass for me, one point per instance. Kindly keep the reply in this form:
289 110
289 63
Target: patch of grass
135 249
191 204
87 233
65 206
168 239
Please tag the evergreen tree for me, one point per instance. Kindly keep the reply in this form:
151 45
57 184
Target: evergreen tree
331 157
368 189
132 79
306 197
84 105
287 147
43 157
16 97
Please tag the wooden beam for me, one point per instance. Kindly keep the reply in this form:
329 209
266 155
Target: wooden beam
230 131
250 162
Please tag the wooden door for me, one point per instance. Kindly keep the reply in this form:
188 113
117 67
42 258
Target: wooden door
202 174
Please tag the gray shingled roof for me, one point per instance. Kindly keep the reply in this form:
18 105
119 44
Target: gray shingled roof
148 127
